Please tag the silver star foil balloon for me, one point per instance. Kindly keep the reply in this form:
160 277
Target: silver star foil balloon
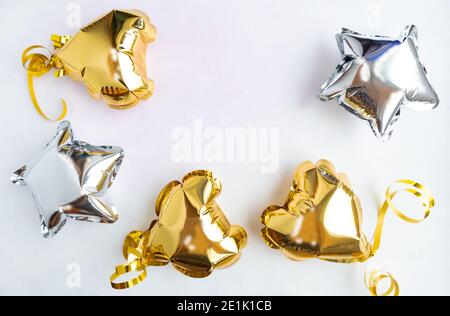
69 179
377 76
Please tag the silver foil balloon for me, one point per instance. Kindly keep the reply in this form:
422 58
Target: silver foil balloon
69 180
377 76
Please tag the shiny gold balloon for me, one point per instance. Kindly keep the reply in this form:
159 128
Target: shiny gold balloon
108 56
191 232
320 219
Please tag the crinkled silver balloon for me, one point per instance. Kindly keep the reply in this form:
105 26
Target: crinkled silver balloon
69 180
378 75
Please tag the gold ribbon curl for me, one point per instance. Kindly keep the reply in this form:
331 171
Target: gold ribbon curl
134 251
36 65
426 198
373 279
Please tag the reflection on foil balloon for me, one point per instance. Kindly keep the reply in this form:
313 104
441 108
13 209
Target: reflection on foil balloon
69 180
108 56
377 76
191 232
322 217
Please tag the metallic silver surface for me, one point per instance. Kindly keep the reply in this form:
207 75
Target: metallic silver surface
81 175
378 75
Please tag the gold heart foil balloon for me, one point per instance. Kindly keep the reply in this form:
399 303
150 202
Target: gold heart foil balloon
108 56
191 232
322 218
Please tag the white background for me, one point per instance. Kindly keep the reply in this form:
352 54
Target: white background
229 63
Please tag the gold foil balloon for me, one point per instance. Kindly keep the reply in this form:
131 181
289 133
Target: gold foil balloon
191 232
322 218
108 56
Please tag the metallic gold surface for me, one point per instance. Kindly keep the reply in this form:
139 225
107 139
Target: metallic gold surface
108 56
191 232
322 217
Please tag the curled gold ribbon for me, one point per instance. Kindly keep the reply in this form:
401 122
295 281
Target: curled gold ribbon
37 64
373 279
415 188
426 198
134 251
